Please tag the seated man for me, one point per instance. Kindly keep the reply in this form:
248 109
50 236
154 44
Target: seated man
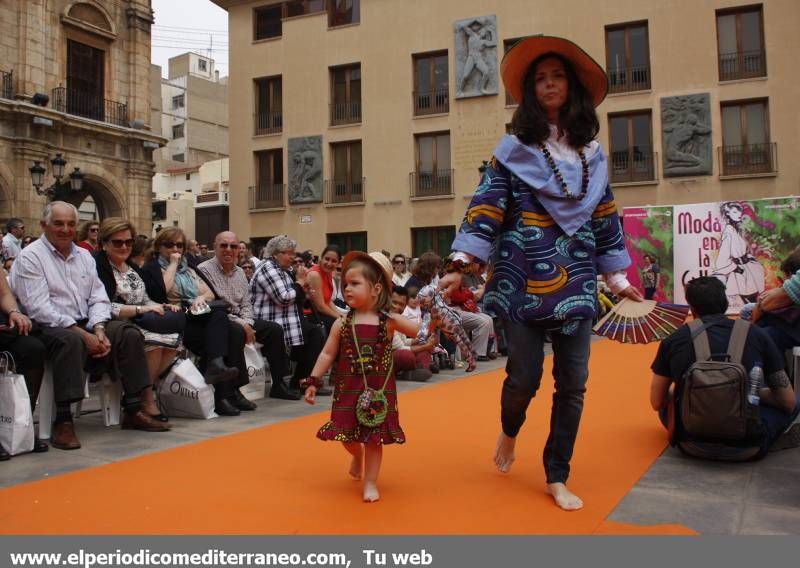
412 362
777 409
57 285
230 284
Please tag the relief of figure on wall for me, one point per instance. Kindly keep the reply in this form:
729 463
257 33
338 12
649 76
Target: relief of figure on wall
686 135
305 169
476 57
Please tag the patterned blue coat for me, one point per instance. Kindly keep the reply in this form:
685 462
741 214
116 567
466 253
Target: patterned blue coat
545 250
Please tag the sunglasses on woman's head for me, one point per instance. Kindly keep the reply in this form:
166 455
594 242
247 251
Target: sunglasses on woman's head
119 243
170 244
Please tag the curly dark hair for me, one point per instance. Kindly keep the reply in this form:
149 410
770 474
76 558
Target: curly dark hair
577 117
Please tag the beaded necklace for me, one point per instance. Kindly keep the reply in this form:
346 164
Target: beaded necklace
353 353
584 165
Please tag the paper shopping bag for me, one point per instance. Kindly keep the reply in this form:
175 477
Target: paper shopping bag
185 394
16 418
256 366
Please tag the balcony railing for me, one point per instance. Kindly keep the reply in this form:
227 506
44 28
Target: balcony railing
431 102
89 105
633 166
751 159
5 84
344 191
268 122
742 65
431 184
345 113
267 196
629 79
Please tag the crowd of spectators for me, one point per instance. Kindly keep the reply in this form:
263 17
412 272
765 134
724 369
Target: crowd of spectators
99 298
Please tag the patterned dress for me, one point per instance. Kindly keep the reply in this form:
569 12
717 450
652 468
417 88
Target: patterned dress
376 355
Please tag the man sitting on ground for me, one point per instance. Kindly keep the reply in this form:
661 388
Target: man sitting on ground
57 284
230 284
777 409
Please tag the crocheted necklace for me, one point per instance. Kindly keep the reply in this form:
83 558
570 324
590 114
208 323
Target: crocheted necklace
564 189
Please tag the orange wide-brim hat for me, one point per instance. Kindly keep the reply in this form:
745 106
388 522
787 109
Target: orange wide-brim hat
375 258
518 60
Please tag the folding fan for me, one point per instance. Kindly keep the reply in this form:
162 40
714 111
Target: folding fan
641 322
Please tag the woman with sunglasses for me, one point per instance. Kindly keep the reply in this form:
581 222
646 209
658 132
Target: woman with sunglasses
161 324
87 235
169 279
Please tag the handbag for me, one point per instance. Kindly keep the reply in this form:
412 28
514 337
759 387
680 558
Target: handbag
184 392
254 360
371 405
16 417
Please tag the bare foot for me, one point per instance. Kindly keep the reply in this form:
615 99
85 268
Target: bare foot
370 492
357 466
563 497
504 453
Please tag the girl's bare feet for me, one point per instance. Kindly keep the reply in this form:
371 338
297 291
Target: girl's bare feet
356 467
370 492
356 450
563 497
504 452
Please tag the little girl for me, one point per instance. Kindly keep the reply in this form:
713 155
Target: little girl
360 345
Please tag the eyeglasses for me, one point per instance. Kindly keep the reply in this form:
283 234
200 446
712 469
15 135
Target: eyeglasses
398 262
226 246
92 230
119 243
170 244
298 261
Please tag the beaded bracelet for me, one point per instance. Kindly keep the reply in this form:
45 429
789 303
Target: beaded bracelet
311 382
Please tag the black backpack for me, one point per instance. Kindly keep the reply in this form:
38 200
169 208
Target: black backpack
713 398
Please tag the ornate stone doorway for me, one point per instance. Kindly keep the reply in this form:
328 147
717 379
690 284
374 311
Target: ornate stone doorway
96 200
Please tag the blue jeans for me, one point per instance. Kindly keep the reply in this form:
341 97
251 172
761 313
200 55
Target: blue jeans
524 375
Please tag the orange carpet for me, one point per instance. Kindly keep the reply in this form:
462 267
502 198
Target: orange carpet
280 479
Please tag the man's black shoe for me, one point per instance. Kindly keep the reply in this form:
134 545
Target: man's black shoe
241 402
40 446
4 455
224 407
284 394
217 372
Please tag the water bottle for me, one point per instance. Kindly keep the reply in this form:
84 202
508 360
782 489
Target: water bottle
756 378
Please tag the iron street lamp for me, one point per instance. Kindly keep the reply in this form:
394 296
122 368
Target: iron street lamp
58 163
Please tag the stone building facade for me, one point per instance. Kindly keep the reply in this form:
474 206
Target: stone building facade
404 98
75 81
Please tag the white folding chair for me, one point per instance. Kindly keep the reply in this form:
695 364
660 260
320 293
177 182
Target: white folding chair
110 398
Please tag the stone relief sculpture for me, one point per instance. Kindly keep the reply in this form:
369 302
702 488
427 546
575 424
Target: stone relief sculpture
305 169
476 56
686 135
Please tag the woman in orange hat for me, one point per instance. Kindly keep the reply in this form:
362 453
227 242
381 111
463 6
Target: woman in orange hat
364 415
545 216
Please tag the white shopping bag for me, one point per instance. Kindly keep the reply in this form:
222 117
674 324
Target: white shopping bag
185 394
16 418
256 366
